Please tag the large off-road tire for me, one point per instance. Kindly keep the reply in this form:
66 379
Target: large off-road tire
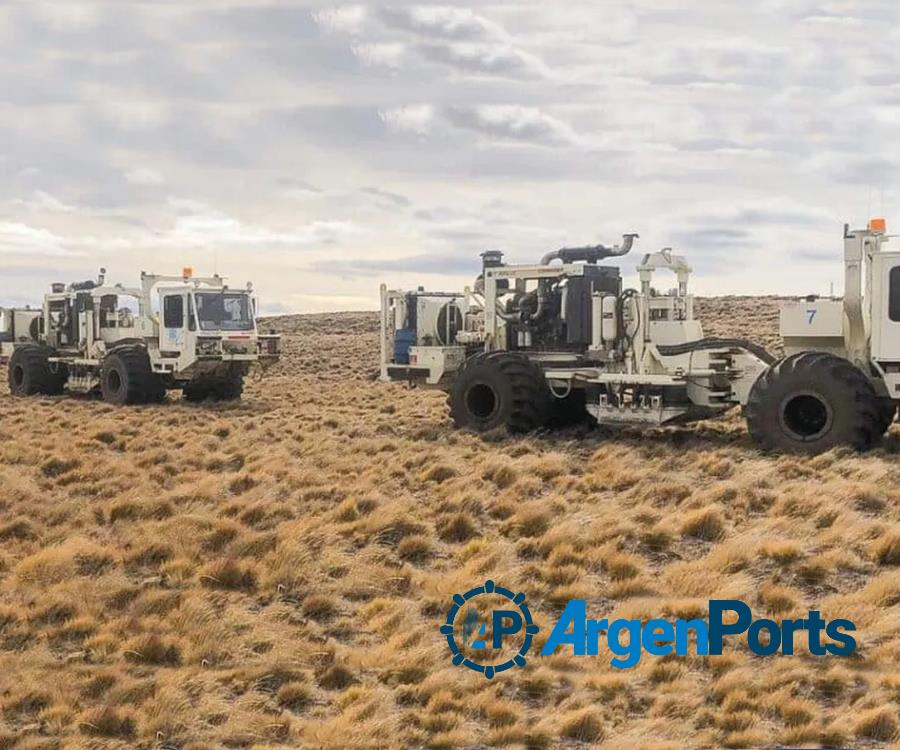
227 388
230 387
126 377
500 389
156 392
195 392
30 373
887 411
812 402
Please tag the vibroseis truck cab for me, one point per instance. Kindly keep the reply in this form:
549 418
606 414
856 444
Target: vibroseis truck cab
133 344
534 345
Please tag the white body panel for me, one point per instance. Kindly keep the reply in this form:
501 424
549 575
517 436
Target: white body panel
15 323
609 325
438 360
172 339
666 332
812 325
885 330
428 313
426 352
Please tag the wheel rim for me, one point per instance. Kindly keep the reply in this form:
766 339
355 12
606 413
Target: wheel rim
482 401
18 374
113 381
806 416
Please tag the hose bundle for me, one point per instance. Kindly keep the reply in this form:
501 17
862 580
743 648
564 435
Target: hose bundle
671 350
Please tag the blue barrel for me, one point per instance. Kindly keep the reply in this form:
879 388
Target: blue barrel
403 339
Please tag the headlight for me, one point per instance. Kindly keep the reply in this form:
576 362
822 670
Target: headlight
208 346
237 347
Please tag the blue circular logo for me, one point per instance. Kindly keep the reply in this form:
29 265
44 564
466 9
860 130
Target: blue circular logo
484 626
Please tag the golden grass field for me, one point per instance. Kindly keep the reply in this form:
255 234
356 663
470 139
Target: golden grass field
272 574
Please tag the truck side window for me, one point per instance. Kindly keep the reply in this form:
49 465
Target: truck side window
173 312
894 294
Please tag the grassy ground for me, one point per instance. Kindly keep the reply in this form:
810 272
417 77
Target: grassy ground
273 573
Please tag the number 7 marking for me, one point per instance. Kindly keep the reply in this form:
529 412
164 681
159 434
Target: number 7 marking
812 314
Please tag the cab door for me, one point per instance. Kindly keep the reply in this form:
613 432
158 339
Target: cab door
886 307
171 332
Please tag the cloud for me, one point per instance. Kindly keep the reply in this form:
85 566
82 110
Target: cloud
411 118
455 264
275 308
387 197
714 238
448 36
135 115
494 122
388 55
868 172
42 201
294 188
752 238
394 131
144 176
206 227
740 60
813 255
514 123
68 17
348 19
784 213
17 239
765 214
443 21
488 59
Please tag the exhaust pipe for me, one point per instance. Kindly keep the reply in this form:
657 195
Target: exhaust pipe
590 253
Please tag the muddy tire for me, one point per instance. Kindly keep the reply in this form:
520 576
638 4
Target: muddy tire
195 392
812 402
126 377
156 392
31 374
887 411
228 388
500 390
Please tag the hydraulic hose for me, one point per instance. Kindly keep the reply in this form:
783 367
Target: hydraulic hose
671 350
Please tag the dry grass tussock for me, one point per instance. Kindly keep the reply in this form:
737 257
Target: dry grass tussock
271 574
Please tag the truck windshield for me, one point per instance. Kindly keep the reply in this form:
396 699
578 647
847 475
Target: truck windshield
221 311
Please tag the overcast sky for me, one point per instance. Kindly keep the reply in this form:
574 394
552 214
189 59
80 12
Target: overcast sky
320 149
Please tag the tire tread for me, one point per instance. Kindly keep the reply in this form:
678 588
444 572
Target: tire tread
864 427
40 379
143 386
530 404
